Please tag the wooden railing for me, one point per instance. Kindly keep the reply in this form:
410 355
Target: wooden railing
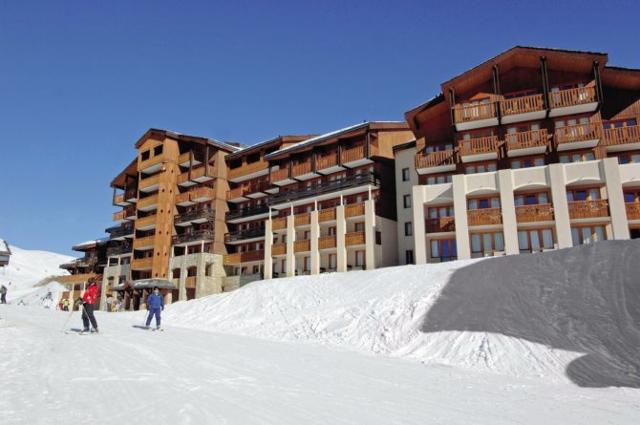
148 201
280 174
479 145
354 238
484 216
302 246
589 209
278 223
145 221
578 133
259 185
302 168
143 242
182 197
478 111
633 210
522 105
622 135
236 192
118 199
327 242
243 257
190 281
149 181
527 139
571 97
201 193
246 169
151 161
75 278
327 215
440 224
302 219
533 213
435 159
278 249
327 161
128 212
119 216
354 210
141 263
353 154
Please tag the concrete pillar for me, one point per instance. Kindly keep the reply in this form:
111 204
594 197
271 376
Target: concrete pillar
615 196
201 288
508 207
315 234
103 292
268 241
341 244
560 205
460 211
182 284
369 234
291 238
419 232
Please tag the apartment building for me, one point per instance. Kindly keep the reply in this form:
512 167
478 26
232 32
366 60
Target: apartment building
84 269
170 230
534 149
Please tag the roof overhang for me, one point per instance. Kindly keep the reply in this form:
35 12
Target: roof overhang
159 134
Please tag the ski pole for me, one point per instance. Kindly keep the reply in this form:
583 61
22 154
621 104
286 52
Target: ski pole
67 321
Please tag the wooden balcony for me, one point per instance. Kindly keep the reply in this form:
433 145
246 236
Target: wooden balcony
524 108
195 195
581 136
573 101
479 149
327 242
243 257
237 194
182 199
354 238
467 117
191 282
119 216
355 156
142 263
303 170
328 214
244 234
302 219
246 171
149 203
588 209
146 223
302 246
622 138
150 184
534 213
127 213
328 163
151 165
119 200
278 223
633 210
279 249
144 243
527 143
354 210
75 278
435 162
185 159
440 224
281 177
193 236
484 217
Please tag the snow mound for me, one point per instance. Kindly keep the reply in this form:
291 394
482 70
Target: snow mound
42 296
568 315
28 267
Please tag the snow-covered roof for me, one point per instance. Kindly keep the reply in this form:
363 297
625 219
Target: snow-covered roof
90 244
4 247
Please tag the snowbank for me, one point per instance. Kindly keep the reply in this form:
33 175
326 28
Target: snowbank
566 315
42 296
27 267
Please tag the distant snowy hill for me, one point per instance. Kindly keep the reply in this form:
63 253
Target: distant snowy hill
27 267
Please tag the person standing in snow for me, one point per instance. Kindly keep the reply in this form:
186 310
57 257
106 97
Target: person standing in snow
3 294
88 305
65 304
155 304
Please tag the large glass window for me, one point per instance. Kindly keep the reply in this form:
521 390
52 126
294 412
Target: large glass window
487 243
444 249
581 235
535 239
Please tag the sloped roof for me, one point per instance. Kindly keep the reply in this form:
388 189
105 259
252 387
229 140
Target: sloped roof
276 141
185 138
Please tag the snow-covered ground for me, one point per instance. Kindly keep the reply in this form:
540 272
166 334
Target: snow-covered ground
533 339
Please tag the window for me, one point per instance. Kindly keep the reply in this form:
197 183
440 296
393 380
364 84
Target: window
333 261
408 256
582 235
405 175
539 198
592 194
527 162
482 203
378 237
332 230
360 258
577 157
632 196
306 264
443 249
359 227
535 240
208 269
406 201
157 150
439 179
255 270
481 168
443 211
192 271
408 229
487 243
145 155
629 158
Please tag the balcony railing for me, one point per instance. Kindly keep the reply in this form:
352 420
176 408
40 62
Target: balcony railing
247 212
196 214
327 242
572 97
354 238
440 224
146 221
236 193
142 263
354 210
484 216
302 168
243 257
302 219
354 180
279 223
435 159
75 278
196 194
633 210
151 161
353 154
149 181
533 213
622 135
474 112
146 241
128 213
302 246
278 249
589 209
120 249
578 133
478 145
198 235
147 202
244 234
196 173
119 199
327 215
521 105
527 139
246 169
120 231
280 174
327 161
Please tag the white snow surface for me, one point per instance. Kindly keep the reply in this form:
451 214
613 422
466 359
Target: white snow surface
533 339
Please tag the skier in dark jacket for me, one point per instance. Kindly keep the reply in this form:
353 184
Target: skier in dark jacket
88 304
155 304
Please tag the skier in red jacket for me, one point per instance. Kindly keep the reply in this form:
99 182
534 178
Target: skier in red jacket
88 303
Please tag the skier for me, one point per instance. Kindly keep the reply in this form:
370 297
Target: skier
155 304
3 294
65 304
88 304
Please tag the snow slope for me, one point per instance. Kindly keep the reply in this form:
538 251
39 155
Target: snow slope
28 267
569 316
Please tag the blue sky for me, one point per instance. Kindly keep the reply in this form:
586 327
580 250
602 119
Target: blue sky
80 81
